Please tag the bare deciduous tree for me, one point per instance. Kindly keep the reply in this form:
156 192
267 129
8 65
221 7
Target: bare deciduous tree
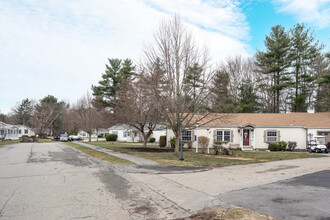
137 107
168 63
88 118
44 115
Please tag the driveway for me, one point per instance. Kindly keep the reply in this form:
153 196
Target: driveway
304 197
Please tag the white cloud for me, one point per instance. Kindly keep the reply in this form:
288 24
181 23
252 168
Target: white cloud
316 12
60 47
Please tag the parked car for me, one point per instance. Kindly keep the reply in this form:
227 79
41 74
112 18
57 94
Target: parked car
56 138
74 138
64 137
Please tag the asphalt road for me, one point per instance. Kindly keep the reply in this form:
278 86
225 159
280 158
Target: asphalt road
54 181
304 197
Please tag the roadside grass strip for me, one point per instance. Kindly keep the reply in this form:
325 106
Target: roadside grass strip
6 142
99 155
165 156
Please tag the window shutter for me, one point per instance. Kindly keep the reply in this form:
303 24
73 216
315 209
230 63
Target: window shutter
265 136
279 136
215 135
231 136
192 138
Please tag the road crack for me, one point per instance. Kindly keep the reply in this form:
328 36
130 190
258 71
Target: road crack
4 206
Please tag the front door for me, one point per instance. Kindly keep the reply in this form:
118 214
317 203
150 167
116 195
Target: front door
246 137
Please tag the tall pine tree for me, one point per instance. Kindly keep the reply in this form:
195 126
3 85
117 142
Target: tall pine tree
321 67
248 97
303 53
115 74
222 100
23 112
274 61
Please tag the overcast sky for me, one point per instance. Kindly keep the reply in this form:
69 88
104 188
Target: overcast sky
60 47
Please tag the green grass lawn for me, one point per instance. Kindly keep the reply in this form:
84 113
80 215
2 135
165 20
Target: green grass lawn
100 155
166 156
5 142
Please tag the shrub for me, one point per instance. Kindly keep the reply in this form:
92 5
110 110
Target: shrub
162 141
219 149
190 144
282 145
111 137
292 145
152 140
328 145
203 142
172 142
100 136
274 147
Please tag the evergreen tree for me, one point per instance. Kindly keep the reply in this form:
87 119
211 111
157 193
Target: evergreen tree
248 98
223 102
321 67
23 112
303 52
193 80
274 61
115 74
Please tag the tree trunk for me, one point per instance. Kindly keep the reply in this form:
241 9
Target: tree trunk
145 141
177 143
90 137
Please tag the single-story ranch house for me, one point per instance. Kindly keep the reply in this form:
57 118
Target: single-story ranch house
250 131
14 132
128 133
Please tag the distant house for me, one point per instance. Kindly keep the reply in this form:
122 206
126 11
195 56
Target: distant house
256 130
128 133
14 132
24 130
102 131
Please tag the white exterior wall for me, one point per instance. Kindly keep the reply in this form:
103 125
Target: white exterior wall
157 134
209 134
257 139
314 132
286 134
23 128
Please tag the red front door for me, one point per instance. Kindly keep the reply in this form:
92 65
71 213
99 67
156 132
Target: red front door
246 137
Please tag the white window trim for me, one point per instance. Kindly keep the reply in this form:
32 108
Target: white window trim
271 141
223 135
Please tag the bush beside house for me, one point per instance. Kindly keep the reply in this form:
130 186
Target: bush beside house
111 137
162 141
203 142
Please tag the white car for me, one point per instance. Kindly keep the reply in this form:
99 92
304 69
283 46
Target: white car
74 138
64 138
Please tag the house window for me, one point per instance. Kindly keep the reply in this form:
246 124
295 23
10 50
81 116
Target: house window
26 131
127 134
271 136
186 135
115 132
223 135
20 131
